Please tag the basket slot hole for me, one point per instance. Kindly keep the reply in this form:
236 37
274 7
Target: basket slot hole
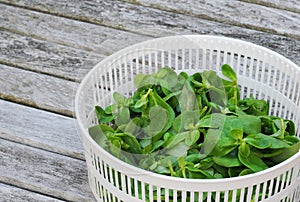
242 194
256 192
297 95
123 182
183 195
215 58
217 196
100 166
192 196
247 66
129 182
111 174
227 59
277 185
259 71
207 59
137 189
94 160
284 180
194 58
175 193
249 193
199 196
252 68
106 172
263 194
241 66
270 188
293 89
233 194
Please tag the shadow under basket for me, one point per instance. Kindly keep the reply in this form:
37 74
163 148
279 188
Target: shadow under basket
260 71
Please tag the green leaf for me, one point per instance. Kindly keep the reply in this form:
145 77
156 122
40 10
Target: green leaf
180 150
216 90
251 161
195 157
286 153
251 124
119 98
205 163
111 108
199 173
168 79
175 139
257 141
142 80
134 145
115 147
244 150
141 102
158 120
229 72
227 161
262 141
187 98
133 126
218 140
182 164
161 116
122 116
102 116
192 137
253 106
246 172
237 133
99 133
157 145
186 118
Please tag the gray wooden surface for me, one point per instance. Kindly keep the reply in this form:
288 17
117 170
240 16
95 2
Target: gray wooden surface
46 48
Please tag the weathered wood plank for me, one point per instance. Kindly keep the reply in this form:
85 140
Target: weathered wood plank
40 129
290 5
237 13
13 194
123 15
86 36
44 172
114 13
45 57
37 90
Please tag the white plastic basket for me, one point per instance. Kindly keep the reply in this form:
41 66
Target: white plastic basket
261 72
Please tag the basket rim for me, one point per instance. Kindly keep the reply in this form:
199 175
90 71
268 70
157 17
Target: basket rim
150 174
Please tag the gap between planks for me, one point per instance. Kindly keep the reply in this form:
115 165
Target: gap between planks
40 129
44 172
216 17
13 193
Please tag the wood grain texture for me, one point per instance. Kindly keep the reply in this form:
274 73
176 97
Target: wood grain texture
40 129
290 5
44 172
46 57
157 23
238 13
86 36
113 13
13 194
37 90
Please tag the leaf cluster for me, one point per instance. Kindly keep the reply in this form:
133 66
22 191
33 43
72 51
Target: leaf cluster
194 126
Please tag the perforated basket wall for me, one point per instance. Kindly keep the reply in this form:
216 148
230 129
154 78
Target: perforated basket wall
261 72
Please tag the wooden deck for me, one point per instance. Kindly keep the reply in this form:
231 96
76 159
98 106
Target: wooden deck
47 47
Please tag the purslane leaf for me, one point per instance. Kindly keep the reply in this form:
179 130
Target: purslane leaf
215 133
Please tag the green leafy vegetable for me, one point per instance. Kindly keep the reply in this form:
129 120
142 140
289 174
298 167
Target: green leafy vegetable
194 126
